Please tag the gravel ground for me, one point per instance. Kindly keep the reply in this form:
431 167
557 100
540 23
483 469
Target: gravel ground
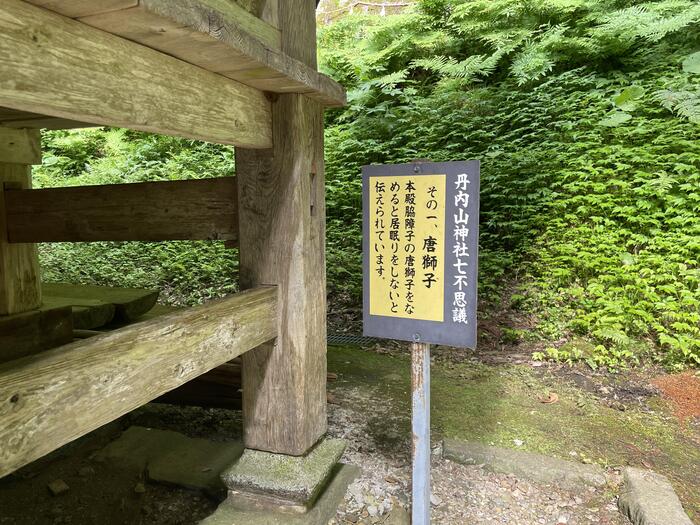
461 494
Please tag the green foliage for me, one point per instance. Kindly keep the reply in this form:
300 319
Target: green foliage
186 272
584 115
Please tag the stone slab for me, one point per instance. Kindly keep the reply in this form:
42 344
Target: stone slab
296 480
173 458
535 467
648 498
321 513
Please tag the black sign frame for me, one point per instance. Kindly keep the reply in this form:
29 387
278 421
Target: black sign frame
448 332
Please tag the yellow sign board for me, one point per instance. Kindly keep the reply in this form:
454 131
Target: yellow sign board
406 246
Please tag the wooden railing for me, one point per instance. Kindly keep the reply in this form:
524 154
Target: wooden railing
54 397
203 209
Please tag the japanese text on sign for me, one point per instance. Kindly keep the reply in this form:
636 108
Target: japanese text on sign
420 251
407 221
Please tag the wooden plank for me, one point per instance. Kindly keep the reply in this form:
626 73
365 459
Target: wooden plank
149 211
52 398
282 235
218 388
34 331
297 21
76 8
215 35
88 314
62 68
19 263
129 303
20 146
11 118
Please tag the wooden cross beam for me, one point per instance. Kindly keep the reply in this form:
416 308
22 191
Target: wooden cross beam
52 398
60 67
203 209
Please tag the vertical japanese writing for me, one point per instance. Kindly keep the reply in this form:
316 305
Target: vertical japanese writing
378 249
460 249
394 238
431 245
407 219
410 248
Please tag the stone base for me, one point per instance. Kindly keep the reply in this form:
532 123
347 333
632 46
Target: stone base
535 467
320 513
261 480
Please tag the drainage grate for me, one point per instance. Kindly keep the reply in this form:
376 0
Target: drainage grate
346 339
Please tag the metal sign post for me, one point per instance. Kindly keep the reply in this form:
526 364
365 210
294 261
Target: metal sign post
420 254
420 388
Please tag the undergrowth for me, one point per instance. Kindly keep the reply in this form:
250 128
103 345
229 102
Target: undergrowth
585 115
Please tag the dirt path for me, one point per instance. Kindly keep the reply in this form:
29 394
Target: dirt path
503 405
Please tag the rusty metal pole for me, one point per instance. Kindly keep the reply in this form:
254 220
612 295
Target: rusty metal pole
420 388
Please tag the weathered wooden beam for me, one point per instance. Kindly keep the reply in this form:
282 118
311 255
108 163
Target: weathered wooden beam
282 242
297 23
19 263
220 36
20 146
60 67
148 211
52 398
239 40
34 331
130 304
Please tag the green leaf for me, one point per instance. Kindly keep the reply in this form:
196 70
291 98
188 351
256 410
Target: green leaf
625 100
615 118
627 259
691 64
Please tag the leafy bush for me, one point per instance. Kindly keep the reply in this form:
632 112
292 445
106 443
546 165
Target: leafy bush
186 272
585 114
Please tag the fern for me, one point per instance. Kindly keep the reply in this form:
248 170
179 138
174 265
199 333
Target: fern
685 104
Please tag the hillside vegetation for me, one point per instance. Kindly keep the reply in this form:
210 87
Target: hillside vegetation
585 115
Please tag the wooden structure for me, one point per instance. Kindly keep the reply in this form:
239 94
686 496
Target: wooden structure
239 72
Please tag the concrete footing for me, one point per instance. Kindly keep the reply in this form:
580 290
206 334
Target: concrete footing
320 513
273 489
260 488
282 482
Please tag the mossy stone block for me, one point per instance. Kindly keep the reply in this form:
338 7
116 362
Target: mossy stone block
293 479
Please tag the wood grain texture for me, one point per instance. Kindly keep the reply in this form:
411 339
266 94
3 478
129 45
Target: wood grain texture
34 331
19 263
52 398
87 314
63 68
76 8
149 211
130 304
20 146
219 36
297 19
282 234
11 118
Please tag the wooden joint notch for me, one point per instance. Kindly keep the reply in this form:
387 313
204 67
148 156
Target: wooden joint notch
202 209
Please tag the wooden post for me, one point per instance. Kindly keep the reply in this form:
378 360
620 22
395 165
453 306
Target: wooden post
20 284
281 239
282 242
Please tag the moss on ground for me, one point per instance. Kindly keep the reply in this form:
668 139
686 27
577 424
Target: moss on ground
501 404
